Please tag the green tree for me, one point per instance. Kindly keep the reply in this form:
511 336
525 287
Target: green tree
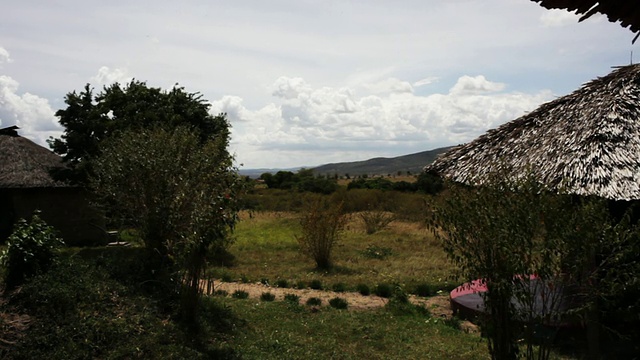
92 118
181 193
504 231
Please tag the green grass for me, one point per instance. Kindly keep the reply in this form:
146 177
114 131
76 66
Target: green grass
280 330
266 247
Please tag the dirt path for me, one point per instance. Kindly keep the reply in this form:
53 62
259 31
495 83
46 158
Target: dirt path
438 305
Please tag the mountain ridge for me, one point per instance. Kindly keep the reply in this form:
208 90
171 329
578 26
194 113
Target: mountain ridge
411 163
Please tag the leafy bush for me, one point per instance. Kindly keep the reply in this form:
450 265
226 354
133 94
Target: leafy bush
424 290
226 277
383 290
315 284
293 298
264 281
301 285
221 293
282 283
31 249
339 287
322 225
376 220
267 296
363 289
240 294
314 301
338 303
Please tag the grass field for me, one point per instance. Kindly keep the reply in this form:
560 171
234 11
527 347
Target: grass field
405 253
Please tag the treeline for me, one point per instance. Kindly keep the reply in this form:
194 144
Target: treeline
305 180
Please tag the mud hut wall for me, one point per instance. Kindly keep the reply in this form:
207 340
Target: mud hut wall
66 209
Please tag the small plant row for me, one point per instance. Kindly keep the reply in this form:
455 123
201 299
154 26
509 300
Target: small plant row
382 289
336 302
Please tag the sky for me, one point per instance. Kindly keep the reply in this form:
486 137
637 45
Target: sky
309 82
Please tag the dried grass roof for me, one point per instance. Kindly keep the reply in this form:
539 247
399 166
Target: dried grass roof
586 143
24 164
627 12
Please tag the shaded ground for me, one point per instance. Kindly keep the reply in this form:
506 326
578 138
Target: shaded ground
438 305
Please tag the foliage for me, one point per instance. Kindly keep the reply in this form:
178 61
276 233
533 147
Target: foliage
315 284
267 296
90 119
504 232
293 298
383 290
339 287
82 308
322 225
240 294
496 233
179 192
363 289
429 183
282 283
31 250
376 220
338 303
314 301
303 180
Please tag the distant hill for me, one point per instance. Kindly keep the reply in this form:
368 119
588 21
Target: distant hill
382 166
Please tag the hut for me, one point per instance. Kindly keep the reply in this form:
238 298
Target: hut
585 143
26 185
625 11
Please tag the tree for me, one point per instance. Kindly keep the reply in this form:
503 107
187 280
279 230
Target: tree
181 193
90 118
322 225
504 231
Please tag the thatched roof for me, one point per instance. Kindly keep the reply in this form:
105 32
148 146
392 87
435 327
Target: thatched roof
586 143
627 12
24 164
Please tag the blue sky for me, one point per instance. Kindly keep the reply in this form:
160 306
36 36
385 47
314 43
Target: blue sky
310 82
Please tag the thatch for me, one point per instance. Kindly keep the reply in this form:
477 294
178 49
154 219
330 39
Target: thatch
24 164
585 143
627 12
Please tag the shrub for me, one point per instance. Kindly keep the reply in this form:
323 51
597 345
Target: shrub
293 298
315 284
338 303
376 220
222 293
31 250
240 294
244 279
301 285
383 290
322 226
267 296
339 287
314 301
282 283
264 281
363 289
424 290
226 277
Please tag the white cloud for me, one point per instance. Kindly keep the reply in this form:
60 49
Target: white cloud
426 81
322 125
289 88
475 85
558 18
31 113
4 56
389 85
107 76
